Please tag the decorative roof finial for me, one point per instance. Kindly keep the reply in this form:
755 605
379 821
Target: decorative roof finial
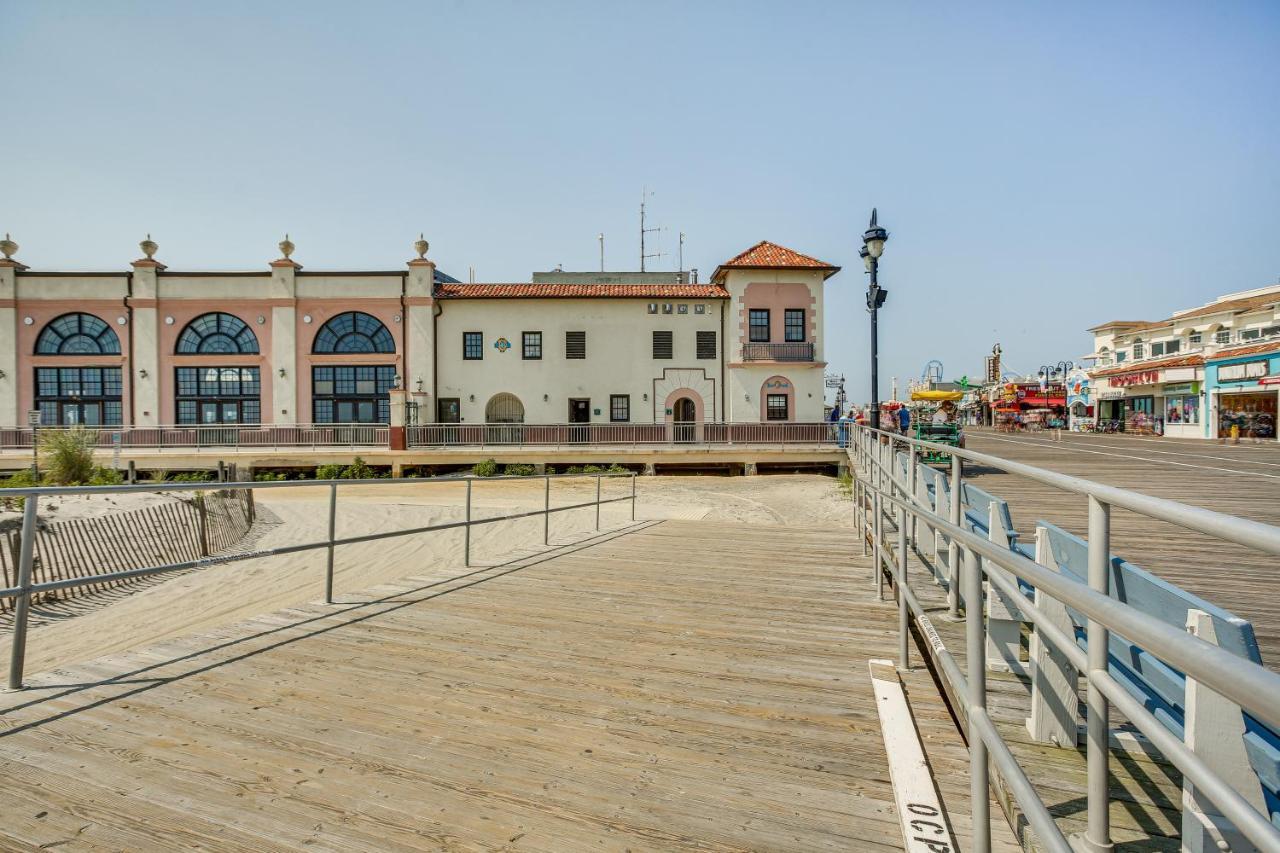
8 247
149 247
873 218
420 246
286 247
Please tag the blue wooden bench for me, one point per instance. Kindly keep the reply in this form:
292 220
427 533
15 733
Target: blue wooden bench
1244 751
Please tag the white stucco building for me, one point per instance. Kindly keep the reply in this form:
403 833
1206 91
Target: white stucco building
152 346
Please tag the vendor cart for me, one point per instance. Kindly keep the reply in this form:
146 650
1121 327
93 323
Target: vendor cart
936 420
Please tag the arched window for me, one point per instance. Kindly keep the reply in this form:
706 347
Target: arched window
353 331
217 333
77 334
504 408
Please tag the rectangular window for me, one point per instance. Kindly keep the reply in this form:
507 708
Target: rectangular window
662 345
212 395
351 394
619 407
1121 355
575 344
1137 350
472 346
793 321
1250 334
1195 339
78 395
532 346
1172 346
706 344
1222 337
1182 410
1157 348
775 406
759 325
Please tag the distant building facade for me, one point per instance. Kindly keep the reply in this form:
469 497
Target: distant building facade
1205 372
151 346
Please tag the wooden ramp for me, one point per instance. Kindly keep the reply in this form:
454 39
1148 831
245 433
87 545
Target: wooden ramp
678 685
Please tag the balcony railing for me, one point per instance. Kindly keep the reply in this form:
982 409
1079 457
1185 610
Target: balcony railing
339 436
797 351
249 436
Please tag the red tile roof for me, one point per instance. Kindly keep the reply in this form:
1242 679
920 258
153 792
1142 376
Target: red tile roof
1157 364
766 255
1251 349
551 290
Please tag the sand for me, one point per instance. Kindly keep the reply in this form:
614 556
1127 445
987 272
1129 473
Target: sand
224 594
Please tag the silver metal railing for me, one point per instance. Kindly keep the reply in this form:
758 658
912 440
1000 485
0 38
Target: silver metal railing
217 436
25 588
1249 685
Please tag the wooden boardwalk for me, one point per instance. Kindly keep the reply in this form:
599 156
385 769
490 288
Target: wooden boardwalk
1241 480
677 685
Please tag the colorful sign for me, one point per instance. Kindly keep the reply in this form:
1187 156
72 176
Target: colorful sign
1181 388
777 383
502 344
1242 372
1141 377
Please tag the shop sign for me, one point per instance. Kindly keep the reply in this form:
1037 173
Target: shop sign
1274 379
1182 388
1111 394
777 383
1141 377
1242 372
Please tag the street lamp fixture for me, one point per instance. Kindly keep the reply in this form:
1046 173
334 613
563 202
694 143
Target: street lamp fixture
873 240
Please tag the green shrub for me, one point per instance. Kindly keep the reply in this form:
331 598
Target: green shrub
18 480
330 472
66 455
358 470
615 468
592 469
487 468
270 476
190 476
518 470
106 477
573 469
551 469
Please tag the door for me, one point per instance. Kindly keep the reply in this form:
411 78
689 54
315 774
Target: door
685 415
579 418
449 413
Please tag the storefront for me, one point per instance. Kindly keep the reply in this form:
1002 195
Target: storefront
1080 412
1244 392
1182 410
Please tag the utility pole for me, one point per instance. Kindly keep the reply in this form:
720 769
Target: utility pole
680 261
600 237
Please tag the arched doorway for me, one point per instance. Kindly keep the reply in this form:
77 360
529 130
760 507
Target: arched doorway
504 409
684 417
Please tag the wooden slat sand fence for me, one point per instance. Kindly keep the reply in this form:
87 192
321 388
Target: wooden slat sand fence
202 525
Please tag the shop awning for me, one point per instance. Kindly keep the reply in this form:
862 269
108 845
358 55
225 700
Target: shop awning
937 396
1044 401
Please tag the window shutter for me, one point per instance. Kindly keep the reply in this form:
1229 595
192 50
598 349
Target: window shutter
662 345
575 344
707 344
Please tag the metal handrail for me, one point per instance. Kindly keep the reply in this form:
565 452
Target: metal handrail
221 436
25 588
1245 683
818 433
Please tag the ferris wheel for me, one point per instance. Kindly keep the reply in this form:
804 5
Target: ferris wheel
932 372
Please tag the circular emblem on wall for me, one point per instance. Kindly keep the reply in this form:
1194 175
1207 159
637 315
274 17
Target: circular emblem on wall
502 344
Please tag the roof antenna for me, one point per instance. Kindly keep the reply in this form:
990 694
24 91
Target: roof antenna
600 237
680 262
644 193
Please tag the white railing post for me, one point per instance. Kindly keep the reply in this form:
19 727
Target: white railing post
975 645
1098 836
546 509
903 661
953 552
597 502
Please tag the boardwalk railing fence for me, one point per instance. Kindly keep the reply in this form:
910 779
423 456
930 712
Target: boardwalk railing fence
217 436
888 493
378 436
99 548
29 583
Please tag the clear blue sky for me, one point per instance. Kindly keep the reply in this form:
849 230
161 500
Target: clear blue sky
1042 167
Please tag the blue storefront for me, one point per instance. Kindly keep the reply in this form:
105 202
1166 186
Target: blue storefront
1244 392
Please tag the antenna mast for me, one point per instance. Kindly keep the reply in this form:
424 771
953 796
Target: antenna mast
600 237
644 193
680 261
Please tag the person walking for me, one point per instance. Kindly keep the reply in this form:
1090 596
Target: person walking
904 420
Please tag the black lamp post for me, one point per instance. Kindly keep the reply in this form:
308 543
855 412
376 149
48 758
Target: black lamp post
873 240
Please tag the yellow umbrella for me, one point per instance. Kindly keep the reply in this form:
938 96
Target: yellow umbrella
937 396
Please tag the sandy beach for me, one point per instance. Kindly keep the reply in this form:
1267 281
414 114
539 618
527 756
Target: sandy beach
224 594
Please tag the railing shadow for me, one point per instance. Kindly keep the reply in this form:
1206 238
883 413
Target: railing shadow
390 603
